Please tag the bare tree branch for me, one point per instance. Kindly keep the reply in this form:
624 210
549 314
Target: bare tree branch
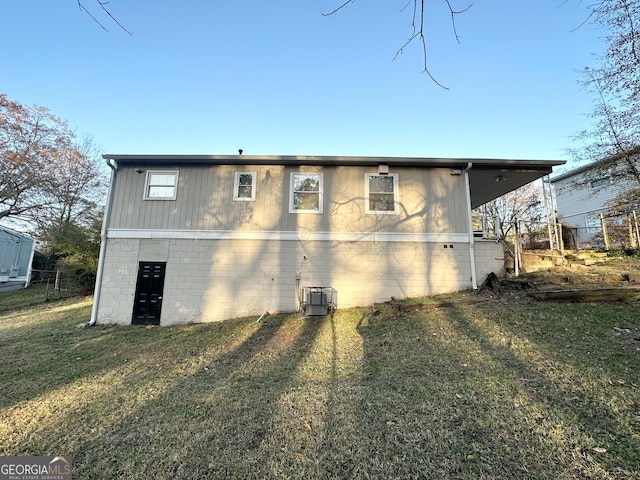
614 127
418 29
419 33
595 9
83 9
103 6
337 9
453 17
615 88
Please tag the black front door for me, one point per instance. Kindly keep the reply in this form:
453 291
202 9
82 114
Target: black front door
148 300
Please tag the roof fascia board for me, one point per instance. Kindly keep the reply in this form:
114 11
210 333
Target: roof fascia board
16 233
596 164
510 164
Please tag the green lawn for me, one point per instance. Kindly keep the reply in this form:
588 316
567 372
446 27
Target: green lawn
499 389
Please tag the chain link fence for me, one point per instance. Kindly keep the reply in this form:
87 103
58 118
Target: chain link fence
608 231
45 286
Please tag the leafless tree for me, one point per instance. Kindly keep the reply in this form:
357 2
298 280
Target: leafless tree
78 187
46 176
618 73
521 207
417 24
613 140
614 84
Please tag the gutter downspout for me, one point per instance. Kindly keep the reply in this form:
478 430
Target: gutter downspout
472 255
30 268
103 244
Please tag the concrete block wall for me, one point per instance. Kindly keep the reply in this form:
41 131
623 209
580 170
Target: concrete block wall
119 281
489 259
213 280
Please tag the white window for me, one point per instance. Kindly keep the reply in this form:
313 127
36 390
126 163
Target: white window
305 193
244 187
593 225
161 185
381 193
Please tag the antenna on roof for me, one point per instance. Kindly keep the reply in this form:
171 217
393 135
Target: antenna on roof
239 151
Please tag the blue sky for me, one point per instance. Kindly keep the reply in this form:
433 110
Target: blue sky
210 77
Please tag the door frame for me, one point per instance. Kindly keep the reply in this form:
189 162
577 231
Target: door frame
150 317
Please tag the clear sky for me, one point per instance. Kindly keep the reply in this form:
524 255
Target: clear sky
279 78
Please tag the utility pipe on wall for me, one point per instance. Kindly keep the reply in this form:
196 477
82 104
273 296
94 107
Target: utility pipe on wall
472 255
103 244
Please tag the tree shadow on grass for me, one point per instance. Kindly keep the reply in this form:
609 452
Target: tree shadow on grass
212 423
572 422
384 395
441 399
53 355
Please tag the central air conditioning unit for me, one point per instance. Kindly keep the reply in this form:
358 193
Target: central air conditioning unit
318 301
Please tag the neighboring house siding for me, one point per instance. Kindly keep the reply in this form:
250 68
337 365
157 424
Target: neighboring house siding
579 202
212 280
431 201
16 255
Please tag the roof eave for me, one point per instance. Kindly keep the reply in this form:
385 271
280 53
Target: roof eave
328 161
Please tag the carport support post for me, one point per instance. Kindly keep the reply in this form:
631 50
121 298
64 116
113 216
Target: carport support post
605 236
472 255
547 211
516 257
560 240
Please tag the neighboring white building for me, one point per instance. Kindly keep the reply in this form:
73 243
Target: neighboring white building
207 238
582 195
16 258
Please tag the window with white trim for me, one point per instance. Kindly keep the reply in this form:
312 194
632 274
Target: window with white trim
381 193
305 193
244 187
161 185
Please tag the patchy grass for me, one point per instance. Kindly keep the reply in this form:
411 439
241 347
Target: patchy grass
505 388
34 294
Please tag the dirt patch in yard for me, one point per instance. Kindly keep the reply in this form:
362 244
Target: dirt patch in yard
606 273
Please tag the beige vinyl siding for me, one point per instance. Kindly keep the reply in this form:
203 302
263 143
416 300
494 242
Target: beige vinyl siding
430 201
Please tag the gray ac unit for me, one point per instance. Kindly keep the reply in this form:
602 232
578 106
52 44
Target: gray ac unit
318 301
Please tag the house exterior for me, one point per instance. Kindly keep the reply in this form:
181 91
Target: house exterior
582 194
16 258
207 238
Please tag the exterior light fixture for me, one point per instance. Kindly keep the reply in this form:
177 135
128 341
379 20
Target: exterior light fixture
383 169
